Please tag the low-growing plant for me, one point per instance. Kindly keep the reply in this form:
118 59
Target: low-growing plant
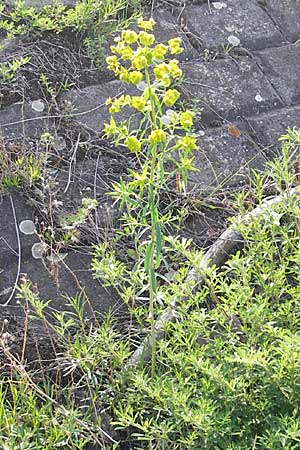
94 20
70 224
17 170
8 70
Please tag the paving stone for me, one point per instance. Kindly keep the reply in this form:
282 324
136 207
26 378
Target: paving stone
242 19
59 280
55 281
167 28
286 13
8 232
282 67
228 88
91 178
20 120
89 106
224 160
267 128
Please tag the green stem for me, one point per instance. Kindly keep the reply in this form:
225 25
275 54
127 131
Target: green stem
154 223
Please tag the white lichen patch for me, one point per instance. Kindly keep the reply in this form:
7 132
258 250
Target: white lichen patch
233 40
38 105
219 5
27 227
37 250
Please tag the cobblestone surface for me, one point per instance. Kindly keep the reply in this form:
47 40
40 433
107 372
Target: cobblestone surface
281 65
214 23
228 88
286 14
268 128
223 158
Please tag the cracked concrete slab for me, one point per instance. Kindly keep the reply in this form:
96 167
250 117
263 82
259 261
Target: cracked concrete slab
21 120
91 178
286 13
60 279
281 66
167 28
228 88
9 233
268 128
88 108
51 280
224 160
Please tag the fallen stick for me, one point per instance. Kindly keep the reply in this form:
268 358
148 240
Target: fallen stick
217 254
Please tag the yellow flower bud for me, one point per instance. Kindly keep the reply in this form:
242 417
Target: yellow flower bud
146 24
138 103
187 142
139 62
174 45
110 128
112 63
124 100
123 74
135 77
129 36
146 39
175 71
166 81
157 137
159 51
171 96
111 60
126 53
115 108
133 144
186 119
161 71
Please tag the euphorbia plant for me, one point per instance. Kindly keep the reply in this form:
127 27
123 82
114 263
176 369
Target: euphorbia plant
164 136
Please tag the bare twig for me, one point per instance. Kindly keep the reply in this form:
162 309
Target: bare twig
215 256
71 163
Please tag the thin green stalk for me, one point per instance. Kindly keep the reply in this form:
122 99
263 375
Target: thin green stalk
154 224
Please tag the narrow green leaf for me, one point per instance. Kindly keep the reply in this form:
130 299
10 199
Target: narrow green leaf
153 280
148 256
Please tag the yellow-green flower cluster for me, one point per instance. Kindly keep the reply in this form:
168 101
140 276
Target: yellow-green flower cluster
137 59
171 96
135 51
116 104
133 144
135 101
164 72
157 136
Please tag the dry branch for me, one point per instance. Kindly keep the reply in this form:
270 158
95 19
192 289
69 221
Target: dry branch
217 254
